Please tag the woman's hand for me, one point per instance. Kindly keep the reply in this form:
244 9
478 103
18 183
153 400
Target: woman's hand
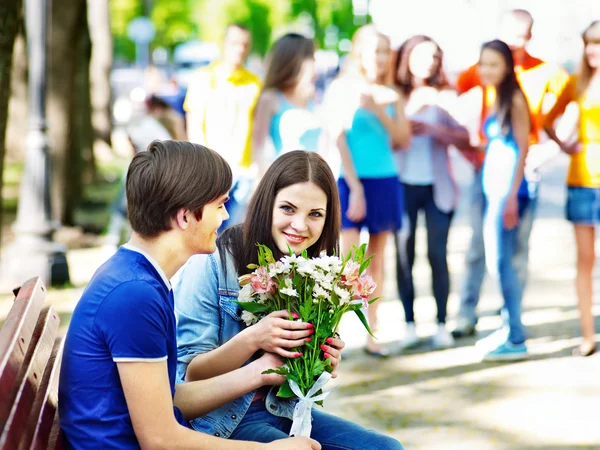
333 351
276 334
357 205
511 212
418 128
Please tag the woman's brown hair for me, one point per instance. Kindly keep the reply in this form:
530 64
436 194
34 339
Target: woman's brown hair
298 166
284 63
403 77
585 72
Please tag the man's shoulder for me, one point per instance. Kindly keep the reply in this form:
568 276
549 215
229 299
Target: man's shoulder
125 271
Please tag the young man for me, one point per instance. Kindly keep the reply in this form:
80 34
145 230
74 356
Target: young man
219 106
541 83
117 385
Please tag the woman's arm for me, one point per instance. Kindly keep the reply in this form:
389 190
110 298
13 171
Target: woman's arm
274 334
566 96
263 113
398 127
521 125
357 207
449 132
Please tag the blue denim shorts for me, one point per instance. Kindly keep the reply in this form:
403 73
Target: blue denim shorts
583 205
385 204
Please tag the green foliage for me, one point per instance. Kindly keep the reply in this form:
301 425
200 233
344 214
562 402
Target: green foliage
178 21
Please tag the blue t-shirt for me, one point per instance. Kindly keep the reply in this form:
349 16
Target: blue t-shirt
126 313
370 145
294 128
501 157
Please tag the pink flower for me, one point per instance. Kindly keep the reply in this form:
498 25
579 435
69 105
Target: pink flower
245 279
261 281
364 287
350 273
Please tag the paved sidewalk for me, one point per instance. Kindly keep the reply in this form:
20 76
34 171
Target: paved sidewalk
448 399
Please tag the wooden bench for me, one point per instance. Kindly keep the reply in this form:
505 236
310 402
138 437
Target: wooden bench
30 355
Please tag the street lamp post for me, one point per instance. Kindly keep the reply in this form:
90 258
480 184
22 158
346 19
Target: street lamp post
33 253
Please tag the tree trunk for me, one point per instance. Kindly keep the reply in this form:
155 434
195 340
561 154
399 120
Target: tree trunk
81 127
18 119
67 20
10 18
100 68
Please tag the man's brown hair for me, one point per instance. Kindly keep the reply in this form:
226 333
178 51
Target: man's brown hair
170 176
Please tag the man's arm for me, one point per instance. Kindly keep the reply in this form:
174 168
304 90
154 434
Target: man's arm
195 106
146 388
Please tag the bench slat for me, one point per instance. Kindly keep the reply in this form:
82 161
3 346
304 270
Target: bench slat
15 336
33 368
41 418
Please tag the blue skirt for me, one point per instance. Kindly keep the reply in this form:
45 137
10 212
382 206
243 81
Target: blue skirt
583 205
384 198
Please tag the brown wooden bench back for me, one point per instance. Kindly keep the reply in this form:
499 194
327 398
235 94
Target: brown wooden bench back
30 355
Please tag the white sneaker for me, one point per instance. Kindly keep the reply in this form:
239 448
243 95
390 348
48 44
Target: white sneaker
411 339
443 338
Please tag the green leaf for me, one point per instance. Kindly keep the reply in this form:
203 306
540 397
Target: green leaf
365 264
373 300
363 319
360 253
285 391
253 307
278 370
318 368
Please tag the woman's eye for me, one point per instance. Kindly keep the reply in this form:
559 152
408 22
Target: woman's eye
316 214
286 208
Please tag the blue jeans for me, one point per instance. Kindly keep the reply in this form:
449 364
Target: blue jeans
500 249
475 258
333 433
438 225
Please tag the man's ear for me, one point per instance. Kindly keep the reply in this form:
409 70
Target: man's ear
182 219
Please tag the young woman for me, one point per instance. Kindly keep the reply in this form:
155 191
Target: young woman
295 204
285 110
583 180
368 124
426 175
507 129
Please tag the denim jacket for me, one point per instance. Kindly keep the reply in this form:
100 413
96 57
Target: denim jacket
206 319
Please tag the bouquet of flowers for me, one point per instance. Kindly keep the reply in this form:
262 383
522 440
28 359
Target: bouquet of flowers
314 290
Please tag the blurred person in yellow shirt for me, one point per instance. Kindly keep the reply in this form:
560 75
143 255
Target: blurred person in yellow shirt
583 179
219 105
541 83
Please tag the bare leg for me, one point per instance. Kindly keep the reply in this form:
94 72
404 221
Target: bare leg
584 238
376 248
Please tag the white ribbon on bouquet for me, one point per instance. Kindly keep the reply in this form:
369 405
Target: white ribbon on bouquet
302 420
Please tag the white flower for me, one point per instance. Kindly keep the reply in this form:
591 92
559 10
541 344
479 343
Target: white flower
289 291
318 291
249 318
245 294
342 293
306 267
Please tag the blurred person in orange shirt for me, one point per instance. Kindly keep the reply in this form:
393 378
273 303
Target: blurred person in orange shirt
219 106
541 82
583 179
